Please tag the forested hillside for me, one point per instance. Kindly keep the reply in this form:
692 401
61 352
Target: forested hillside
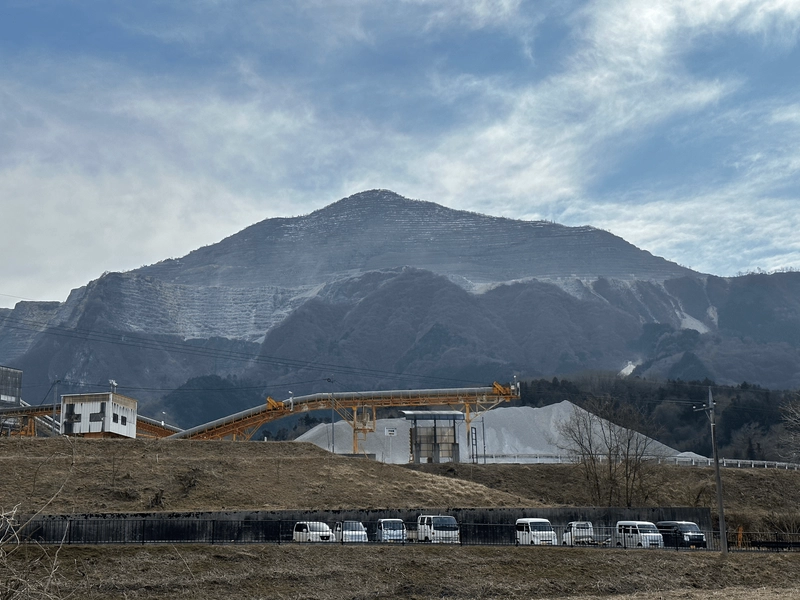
749 424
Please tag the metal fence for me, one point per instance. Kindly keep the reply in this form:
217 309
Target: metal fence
681 461
200 530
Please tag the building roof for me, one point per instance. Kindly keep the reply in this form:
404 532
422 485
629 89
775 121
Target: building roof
433 415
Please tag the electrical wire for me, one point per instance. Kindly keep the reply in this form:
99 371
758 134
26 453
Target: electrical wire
148 343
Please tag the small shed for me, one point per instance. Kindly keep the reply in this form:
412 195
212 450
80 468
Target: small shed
436 440
98 415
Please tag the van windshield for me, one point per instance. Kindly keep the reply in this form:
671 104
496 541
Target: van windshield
318 527
687 527
541 527
393 525
647 528
445 524
353 526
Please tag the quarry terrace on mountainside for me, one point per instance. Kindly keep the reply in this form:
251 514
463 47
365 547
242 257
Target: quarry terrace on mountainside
378 291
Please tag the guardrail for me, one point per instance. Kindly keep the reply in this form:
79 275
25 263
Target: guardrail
680 461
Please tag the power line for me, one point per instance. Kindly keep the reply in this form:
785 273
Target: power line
147 343
20 298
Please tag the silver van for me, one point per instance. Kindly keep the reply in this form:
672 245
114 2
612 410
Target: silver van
439 529
637 534
349 531
391 530
535 532
312 531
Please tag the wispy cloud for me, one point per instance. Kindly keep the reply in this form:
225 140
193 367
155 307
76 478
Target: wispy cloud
213 115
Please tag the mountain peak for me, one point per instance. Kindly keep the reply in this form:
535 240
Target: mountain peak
380 229
381 204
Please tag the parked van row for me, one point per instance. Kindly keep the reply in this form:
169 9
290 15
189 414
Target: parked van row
437 529
528 531
637 534
317 531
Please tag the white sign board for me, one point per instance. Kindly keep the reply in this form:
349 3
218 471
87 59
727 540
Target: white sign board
391 431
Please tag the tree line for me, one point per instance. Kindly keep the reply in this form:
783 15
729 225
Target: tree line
752 421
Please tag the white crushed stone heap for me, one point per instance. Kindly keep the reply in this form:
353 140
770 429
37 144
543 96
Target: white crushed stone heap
512 434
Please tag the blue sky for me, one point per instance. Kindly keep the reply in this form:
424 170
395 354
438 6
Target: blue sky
131 132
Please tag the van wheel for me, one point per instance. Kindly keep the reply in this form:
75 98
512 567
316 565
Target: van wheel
639 545
563 543
619 544
516 543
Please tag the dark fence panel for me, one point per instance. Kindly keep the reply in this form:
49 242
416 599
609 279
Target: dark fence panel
477 526
205 529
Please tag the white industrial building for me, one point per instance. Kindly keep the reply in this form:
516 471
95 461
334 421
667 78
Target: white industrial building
10 386
98 415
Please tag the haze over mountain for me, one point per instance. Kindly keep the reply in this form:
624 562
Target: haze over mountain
379 291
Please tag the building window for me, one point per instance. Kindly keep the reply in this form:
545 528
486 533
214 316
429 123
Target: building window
124 420
116 418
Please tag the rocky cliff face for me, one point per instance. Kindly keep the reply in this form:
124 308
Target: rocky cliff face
380 291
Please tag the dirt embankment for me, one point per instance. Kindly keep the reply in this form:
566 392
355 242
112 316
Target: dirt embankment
179 475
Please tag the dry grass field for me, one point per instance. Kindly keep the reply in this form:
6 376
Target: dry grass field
415 571
128 475
65 476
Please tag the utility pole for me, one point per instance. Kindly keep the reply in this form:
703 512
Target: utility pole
55 398
333 425
723 534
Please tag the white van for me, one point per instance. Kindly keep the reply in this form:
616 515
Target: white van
536 532
349 531
578 533
391 530
442 529
312 531
637 534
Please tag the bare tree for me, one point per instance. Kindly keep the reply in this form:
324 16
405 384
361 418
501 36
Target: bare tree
37 577
614 457
789 443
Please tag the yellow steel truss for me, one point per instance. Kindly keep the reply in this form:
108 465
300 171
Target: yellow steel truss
359 411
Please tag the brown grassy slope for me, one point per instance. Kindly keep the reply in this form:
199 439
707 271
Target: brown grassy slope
754 498
127 475
421 572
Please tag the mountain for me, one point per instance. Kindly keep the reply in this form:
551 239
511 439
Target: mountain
378 291
379 230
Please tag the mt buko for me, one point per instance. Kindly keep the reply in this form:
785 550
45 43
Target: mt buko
377 291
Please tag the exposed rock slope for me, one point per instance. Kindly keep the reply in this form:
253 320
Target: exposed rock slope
377 290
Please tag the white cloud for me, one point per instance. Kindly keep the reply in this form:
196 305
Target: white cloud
182 160
475 14
557 136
